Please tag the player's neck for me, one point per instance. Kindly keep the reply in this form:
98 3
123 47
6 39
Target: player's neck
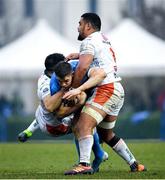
47 73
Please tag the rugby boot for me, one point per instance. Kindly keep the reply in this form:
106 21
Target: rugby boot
80 169
24 136
136 167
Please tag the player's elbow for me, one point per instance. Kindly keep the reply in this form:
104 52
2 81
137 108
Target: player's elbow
100 73
47 103
49 108
62 112
103 74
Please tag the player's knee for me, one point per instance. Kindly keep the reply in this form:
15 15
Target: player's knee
83 128
92 114
105 134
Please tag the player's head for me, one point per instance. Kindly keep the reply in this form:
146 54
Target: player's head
89 22
51 61
64 74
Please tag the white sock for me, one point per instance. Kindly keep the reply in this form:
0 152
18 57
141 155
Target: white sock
85 145
122 150
33 126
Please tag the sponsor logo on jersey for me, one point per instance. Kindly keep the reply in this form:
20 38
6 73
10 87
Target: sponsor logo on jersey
45 90
113 106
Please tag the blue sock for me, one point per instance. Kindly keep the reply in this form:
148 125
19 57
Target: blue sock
97 149
77 148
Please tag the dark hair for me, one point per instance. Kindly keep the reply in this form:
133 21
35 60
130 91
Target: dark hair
63 69
94 19
52 59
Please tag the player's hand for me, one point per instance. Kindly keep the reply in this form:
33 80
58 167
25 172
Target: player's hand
72 93
72 56
70 102
65 89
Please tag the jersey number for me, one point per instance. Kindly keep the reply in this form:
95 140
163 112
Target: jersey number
114 57
113 53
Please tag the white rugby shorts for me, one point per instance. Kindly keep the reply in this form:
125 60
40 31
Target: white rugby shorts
108 97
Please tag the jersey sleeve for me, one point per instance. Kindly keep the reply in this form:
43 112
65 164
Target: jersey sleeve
87 47
54 85
43 87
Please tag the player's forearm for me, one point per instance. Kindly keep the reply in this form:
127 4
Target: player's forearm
91 83
64 110
96 76
53 102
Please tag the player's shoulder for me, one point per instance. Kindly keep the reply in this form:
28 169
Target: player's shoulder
93 36
74 64
43 79
54 84
53 78
91 39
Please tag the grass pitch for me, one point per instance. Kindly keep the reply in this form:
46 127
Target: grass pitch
49 160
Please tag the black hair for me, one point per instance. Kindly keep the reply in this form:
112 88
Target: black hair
52 59
94 19
63 69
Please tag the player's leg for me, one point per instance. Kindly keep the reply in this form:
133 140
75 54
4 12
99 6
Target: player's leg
89 118
119 146
99 154
27 133
92 114
112 107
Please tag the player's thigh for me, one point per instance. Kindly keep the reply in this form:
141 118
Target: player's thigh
92 115
84 125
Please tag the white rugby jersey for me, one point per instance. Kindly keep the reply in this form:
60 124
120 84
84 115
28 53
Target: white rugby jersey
99 46
43 86
42 115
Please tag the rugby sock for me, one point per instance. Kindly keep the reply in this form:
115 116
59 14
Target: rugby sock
85 145
97 149
120 147
33 126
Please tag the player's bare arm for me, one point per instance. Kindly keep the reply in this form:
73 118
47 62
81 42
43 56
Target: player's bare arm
84 63
53 102
68 107
96 75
